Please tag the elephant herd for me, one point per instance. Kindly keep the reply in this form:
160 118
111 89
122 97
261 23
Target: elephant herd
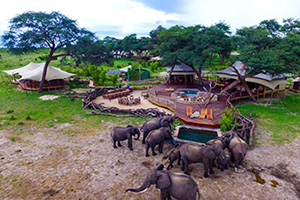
221 152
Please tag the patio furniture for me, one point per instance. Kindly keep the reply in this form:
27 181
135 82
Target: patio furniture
203 113
145 95
189 111
209 114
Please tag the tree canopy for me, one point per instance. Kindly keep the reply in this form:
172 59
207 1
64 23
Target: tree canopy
33 30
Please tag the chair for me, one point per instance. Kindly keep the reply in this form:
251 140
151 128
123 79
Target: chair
189 111
209 114
203 113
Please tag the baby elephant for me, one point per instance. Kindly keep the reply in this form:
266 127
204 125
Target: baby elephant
158 137
173 155
124 133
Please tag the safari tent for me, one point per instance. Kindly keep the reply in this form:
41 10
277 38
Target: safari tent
296 85
261 83
143 74
272 82
181 74
31 76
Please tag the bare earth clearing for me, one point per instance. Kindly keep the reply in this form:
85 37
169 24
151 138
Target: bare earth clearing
51 165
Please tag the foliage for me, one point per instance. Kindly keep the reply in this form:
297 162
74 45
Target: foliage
154 66
114 79
133 72
98 74
228 119
193 44
270 47
33 30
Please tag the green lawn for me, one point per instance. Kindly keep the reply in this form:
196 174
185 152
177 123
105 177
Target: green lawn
21 110
281 118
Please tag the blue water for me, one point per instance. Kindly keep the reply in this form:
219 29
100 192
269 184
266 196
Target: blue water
196 135
189 92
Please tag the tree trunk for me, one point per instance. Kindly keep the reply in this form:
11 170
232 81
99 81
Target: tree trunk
211 57
45 69
170 73
221 59
241 79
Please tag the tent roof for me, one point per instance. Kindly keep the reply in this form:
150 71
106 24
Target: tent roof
180 68
31 66
241 68
114 72
296 79
263 79
34 71
125 69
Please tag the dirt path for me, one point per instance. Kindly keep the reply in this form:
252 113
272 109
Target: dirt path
50 165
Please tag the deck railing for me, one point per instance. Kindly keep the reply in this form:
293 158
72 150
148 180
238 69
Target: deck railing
164 102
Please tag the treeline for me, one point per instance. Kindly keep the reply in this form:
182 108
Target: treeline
268 47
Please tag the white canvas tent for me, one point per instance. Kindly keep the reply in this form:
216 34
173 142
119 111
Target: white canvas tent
34 71
263 79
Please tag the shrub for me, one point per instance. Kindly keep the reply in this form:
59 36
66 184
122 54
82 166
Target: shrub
114 79
95 73
228 119
9 111
12 118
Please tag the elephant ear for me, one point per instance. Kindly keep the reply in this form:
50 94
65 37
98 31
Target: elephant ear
163 122
163 180
208 152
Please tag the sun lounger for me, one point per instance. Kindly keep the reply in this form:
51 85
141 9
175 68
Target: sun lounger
209 114
203 113
189 111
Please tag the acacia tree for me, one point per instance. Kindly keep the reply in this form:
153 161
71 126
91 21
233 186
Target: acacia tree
193 45
32 30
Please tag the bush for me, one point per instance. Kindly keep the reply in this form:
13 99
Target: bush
114 79
98 75
228 119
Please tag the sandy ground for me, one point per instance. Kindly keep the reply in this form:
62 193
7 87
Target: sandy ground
48 164
136 93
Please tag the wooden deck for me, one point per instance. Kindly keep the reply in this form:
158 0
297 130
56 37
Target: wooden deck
163 97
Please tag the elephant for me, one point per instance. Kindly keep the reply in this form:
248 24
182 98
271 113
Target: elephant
205 154
221 144
173 155
124 133
218 141
165 121
179 186
237 147
158 137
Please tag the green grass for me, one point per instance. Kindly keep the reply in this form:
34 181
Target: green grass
281 118
21 110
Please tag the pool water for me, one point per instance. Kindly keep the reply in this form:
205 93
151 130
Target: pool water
196 135
189 91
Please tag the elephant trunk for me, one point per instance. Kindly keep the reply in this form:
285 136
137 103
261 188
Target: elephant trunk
137 135
143 188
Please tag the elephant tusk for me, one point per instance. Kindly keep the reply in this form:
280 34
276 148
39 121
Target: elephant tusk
143 191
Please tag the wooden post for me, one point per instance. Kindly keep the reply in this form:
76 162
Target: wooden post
265 91
272 93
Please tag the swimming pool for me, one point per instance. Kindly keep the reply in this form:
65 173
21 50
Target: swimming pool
195 134
189 92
